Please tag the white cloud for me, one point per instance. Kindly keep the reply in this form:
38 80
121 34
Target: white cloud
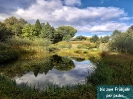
126 18
104 27
109 27
90 19
72 2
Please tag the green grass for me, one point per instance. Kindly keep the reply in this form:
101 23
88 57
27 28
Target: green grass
80 53
114 69
14 48
37 44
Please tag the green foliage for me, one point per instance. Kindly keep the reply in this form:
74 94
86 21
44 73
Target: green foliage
26 30
115 33
104 39
94 38
123 42
80 46
18 41
52 49
19 27
41 42
14 25
6 53
38 27
47 32
3 31
3 46
63 63
113 69
64 33
29 31
101 76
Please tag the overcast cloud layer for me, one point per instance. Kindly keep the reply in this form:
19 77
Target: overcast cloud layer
67 12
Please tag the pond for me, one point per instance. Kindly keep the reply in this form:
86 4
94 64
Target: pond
51 70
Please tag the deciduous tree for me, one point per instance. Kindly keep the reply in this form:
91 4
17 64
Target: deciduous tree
94 38
64 33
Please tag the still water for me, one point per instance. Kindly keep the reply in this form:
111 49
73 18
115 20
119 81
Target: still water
55 69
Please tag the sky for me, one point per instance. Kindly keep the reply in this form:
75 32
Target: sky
89 17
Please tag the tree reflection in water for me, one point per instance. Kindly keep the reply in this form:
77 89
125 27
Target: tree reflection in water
78 59
24 66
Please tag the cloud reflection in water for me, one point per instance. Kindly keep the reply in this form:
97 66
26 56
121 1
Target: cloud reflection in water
73 76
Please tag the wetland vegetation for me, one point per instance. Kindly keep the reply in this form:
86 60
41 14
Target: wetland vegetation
40 52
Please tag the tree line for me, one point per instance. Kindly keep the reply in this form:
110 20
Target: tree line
93 39
13 26
118 41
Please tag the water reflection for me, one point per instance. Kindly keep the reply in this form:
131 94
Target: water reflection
37 66
62 63
54 69
78 59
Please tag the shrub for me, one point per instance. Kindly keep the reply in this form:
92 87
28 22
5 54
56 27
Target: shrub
52 49
79 46
102 75
123 42
7 55
41 42
104 54
3 46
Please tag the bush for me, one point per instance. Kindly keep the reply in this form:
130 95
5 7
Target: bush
7 55
19 41
102 75
123 42
41 42
114 69
25 41
52 49
79 46
103 54
3 46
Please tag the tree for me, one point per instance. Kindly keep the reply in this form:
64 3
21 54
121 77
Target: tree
130 30
19 26
123 42
29 31
104 39
14 25
47 31
3 31
38 27
115 33
64 33
10 22
26 30
94 38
